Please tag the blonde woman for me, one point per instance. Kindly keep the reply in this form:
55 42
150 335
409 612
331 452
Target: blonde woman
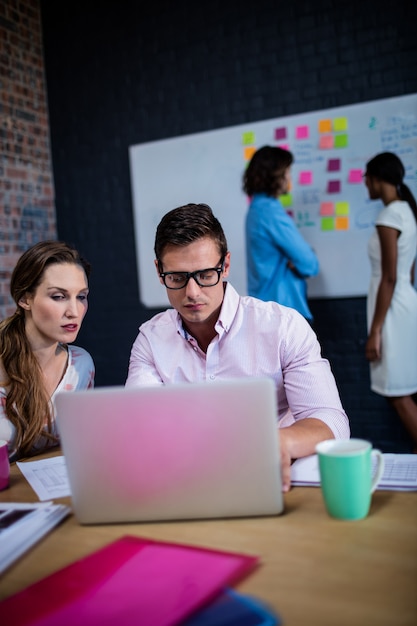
50 288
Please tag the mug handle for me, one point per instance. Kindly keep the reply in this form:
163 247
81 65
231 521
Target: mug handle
377 454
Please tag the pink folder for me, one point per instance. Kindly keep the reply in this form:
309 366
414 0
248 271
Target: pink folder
129 582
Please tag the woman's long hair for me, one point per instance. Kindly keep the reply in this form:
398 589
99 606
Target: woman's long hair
265 172
27 405
388 167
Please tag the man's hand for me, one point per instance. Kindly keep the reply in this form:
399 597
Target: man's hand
299 440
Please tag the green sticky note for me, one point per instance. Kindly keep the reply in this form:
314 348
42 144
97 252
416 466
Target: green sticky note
248 138
286 199
341 141
327 223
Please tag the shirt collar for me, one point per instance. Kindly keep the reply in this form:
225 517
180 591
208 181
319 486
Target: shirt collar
227 312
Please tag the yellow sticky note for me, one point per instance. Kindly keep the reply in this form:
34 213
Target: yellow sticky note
342 208
340 123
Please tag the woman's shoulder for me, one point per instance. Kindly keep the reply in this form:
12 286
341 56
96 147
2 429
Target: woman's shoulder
395 214
80 372
79 355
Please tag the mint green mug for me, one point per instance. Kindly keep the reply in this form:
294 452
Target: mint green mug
346 477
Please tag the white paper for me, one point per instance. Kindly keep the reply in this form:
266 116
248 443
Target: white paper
23 524
47 477
400 472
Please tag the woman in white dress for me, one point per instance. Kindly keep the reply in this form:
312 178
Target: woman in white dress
391 347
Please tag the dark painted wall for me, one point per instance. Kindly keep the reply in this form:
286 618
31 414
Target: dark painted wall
121 73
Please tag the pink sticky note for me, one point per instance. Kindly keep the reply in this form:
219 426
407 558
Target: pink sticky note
333 165
284 146
301 132
327 208
305 178
333 186
280 133
355 176
326 142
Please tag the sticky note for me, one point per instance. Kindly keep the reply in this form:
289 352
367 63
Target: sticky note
301 132
327 208
340 141
248 138
286 199
340 123
333 165
284 146
327 223
355 176
333 186
248 152
326 142
342 223
325 126
280 133
342 208
305 178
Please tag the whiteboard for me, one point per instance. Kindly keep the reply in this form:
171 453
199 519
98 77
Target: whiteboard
328 198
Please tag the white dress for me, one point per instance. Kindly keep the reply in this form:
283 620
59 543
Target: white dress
396 373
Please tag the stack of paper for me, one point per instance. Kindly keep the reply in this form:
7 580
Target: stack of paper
400 472
139 581
22 525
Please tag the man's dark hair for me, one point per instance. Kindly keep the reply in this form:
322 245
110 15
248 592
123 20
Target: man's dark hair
266 171
187 224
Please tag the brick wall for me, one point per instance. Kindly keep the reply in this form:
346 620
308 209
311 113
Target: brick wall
27 212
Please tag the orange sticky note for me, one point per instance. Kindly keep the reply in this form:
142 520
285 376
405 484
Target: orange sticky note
248 152
325 126
342 223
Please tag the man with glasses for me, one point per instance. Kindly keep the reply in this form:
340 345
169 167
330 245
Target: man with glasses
212 333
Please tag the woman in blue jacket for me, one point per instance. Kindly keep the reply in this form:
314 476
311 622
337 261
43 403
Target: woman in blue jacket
278 258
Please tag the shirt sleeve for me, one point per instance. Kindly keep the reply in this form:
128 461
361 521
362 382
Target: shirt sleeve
291 243
142 371
310 386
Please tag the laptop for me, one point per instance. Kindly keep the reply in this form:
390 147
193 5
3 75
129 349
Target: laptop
172 452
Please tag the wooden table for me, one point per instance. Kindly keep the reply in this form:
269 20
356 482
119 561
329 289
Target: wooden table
315 571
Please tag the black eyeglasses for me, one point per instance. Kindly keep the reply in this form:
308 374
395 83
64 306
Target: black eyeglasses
204 278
